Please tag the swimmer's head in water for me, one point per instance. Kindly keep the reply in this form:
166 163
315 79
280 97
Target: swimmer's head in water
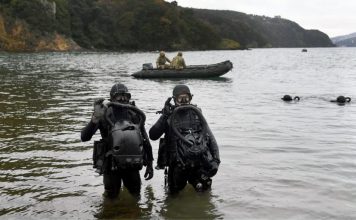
341 99
287 98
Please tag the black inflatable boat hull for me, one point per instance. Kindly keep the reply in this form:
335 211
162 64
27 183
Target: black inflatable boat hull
194 71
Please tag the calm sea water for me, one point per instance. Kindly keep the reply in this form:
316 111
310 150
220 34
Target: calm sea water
279 160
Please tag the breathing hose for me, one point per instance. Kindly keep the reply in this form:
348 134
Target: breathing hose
127 106
205 126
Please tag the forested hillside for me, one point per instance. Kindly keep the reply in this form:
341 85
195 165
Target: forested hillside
261 31
37 25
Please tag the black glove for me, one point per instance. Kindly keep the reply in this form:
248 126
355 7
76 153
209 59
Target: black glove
149 171
167 109
214 168
99 111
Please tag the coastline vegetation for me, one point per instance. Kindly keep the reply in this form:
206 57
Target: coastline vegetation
149 25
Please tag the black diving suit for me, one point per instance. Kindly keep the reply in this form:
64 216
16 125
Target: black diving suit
112 177
194 163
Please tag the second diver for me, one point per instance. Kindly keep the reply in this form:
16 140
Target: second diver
124 147
188 148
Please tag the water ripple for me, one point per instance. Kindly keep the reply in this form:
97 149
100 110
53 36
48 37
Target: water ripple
279 160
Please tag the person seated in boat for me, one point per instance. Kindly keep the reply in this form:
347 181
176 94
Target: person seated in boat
162 60
178 61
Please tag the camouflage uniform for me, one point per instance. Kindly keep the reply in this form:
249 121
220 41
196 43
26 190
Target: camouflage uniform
161 61
178 62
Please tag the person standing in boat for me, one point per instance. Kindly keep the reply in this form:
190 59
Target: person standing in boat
189 148
162 60
178 61
104 156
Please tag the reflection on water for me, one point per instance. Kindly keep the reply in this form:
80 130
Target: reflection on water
126 206
279 160
189 204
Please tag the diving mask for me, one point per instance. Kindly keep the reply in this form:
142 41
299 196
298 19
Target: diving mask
183 99
122 97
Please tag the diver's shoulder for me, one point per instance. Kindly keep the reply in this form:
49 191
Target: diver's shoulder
196 106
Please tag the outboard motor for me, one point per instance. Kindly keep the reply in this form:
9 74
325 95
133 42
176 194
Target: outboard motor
147 66
126 141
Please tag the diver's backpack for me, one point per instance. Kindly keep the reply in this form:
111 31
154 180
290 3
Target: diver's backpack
125 138
127 145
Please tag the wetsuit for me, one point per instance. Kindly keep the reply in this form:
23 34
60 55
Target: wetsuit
180 171
112 179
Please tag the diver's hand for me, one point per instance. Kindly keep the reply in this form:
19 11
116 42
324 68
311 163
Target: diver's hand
99 111
166 111
214 168
149 171
99 101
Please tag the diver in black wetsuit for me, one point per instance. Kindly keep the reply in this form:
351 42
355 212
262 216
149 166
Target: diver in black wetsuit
188 148
288 98
341 99
103 158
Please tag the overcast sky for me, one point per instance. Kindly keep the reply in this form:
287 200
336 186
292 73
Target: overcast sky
333 17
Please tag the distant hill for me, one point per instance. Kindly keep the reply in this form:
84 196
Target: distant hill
261 31
345 40
62 25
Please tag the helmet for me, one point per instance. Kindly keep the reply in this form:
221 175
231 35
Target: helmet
119 88
287 98
181 89
341 99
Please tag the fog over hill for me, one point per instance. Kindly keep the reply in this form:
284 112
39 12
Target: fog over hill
348 40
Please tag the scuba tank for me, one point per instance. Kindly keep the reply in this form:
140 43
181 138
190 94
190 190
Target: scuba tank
125 139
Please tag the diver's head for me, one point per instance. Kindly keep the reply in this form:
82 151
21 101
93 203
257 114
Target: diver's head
341 99
161 54
182 95
119 93
180 54
287 98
